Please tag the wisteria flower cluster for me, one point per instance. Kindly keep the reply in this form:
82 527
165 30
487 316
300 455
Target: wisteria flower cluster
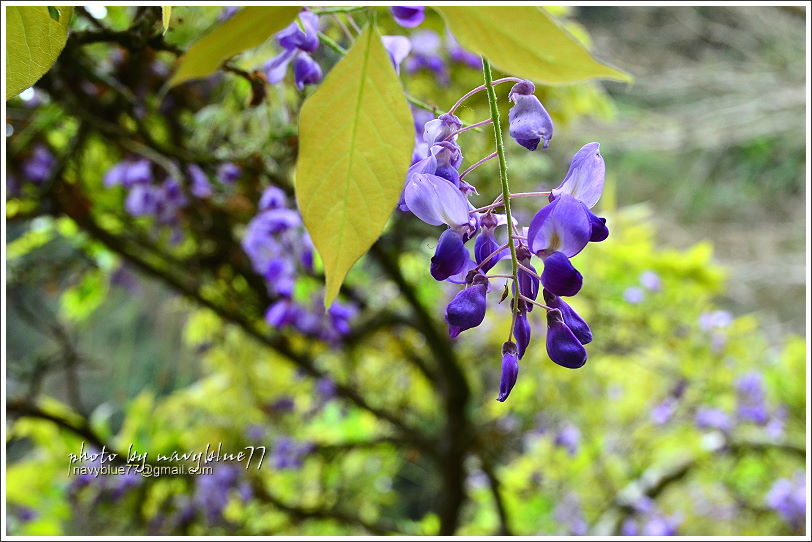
438 194
300 39
280 249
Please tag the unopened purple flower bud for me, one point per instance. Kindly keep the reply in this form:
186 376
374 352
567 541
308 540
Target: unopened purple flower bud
576 324
450 256
408 16
529 121
528 283
398 48
585 177
510 370
306 71
521 331
467 309
563 346
559 276
484 246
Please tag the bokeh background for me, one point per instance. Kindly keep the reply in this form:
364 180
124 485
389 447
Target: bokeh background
689 417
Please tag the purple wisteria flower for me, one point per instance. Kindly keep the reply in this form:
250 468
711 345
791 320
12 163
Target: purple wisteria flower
529 121
510 370
129 173
557 232
296 42
408 16
306 71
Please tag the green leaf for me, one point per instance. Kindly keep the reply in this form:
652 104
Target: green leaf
80 301
248 28
54 13
166 16
355 142
527 42
33 42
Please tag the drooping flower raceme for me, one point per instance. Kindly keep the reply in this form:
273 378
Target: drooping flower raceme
438 193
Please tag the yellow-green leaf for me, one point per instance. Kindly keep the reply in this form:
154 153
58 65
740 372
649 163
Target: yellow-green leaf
355 141
166 16
246 29
527 42
33 42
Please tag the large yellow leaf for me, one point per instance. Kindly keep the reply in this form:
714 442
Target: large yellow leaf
246 29
355 142
33 42
526 42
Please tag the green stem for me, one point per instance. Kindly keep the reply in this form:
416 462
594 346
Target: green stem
326 11
332 44
500 153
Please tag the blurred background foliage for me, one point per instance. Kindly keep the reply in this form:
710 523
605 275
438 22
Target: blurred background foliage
695 302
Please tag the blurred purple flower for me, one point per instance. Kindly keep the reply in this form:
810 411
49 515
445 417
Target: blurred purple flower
788 498
288 454
38 167
712 418
228 172
569 438
651 281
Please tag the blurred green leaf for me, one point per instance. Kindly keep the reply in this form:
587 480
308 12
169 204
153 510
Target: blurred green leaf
79 302
33 40
248 28
355 140
527 42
